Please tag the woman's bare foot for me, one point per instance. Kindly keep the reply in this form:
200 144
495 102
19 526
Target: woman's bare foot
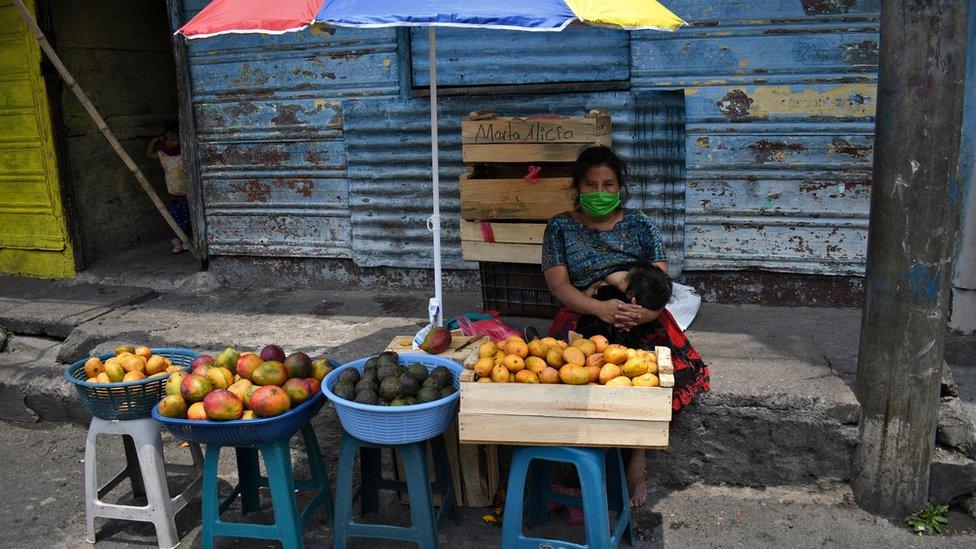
637 477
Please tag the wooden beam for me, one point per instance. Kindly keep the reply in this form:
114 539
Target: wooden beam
515 233
502 252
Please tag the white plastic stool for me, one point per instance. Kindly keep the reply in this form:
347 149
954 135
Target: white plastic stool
146 470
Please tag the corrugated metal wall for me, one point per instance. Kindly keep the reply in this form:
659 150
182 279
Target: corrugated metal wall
749 132
780 107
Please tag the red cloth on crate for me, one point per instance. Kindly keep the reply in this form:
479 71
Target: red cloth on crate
691 374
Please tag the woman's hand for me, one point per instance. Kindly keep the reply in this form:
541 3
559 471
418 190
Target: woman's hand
643 316
618 313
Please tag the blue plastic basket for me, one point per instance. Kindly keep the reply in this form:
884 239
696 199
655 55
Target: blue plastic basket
243 432
396 424
125 399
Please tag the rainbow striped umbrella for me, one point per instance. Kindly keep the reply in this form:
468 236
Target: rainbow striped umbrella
281 16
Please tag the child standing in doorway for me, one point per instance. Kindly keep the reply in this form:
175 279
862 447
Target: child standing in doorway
166 149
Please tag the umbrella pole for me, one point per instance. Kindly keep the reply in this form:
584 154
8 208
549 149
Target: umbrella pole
434 222
102 126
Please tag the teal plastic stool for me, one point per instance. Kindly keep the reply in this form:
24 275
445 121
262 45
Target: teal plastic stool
423 528
289 520
604 488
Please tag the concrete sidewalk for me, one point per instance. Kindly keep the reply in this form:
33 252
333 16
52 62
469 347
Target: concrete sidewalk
780 412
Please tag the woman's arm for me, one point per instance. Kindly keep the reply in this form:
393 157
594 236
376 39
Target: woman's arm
612 311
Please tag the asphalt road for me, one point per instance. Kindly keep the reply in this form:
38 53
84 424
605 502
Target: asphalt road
41 480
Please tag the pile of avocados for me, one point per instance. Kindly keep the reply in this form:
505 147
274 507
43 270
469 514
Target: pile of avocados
385 382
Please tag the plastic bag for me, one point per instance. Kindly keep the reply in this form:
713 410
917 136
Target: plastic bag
683 305
433 311
493 328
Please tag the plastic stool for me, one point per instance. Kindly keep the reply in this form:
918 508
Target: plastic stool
423 528
601 472
289 522
146 470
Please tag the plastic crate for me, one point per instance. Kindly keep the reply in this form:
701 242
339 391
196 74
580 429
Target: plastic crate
397 424
517 289
125 399
243 432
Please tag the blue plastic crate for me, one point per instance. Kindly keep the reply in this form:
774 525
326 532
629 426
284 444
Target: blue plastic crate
396 424
125 399
243 432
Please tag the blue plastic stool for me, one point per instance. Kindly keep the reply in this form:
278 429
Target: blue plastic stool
289 521
423 528
601 473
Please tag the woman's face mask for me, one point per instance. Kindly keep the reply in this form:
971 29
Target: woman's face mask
599 204
599 192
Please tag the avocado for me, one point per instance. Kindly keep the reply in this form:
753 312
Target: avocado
350 376
365 384
428 394
410 400
418 372
398 402
391 388
367 397
344 390
442 375
389 355
430 383
388 371
372 375
373 362
383 402
410 385
448 391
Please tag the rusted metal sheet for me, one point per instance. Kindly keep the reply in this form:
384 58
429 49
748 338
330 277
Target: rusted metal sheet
388 151
577 54
268 115
780 102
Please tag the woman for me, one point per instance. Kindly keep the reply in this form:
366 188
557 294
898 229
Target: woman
598 238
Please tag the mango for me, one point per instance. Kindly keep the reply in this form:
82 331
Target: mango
220 378
222 405
600 343
619 381
538 349
248 414
615 354
517 348
513 363
194 387
608 372
554 357
320 369
114 371
484 380
143 351
240 387
499 374
246 364
202 363
172 386
156 364
298 364
93 367
437 340
102 378
124 349
228 358
585 345
270 400
594 373
526 376
272 352
574 374
271 372
535 364
646 380
172 406
483 367
134 375
487 350
573 355
196 412
297 390
549 375
313 385
634 367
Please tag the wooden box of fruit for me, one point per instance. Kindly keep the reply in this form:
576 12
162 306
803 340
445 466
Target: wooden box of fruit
550 393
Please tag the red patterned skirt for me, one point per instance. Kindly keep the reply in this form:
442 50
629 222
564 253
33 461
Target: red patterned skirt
690 372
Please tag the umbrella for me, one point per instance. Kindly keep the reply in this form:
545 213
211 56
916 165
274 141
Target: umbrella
280 16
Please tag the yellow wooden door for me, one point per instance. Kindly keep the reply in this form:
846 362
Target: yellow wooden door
33 232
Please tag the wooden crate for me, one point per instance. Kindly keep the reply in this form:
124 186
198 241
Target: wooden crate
568 415
489 138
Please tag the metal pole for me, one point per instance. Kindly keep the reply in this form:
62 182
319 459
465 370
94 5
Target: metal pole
434 223
910 247
102 126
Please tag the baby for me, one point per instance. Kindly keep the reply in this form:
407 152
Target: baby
647 284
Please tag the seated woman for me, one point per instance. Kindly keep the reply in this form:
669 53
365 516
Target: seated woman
593 242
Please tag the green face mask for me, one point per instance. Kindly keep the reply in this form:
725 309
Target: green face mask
599 204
